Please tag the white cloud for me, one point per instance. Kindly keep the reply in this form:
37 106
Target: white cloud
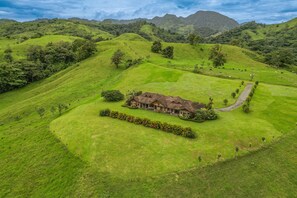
241 10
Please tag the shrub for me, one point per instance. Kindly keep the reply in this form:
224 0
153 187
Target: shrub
62 107
114 114
40 111
104 112
233 95
211 115
202 115
246 108
112 95
225 102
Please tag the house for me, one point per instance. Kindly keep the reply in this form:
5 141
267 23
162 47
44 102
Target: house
165 104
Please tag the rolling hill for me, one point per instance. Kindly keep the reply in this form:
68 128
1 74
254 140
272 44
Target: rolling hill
80 154
276 42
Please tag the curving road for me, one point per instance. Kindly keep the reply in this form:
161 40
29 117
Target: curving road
241 99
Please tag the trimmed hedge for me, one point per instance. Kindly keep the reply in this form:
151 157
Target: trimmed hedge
163 126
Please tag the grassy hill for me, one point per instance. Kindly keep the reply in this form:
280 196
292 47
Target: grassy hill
80 154
276 42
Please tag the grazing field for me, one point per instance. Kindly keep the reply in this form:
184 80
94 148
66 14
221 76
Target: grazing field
80 154
109 143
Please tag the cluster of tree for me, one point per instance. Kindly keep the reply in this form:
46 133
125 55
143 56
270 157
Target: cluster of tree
277 44
60 108
194 39
119 57
118 29
233 94
167 52
42 62
217 56
112 95
246 105
131 62
169 128
38 28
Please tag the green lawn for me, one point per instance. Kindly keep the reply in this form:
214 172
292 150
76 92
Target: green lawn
109 143
80 154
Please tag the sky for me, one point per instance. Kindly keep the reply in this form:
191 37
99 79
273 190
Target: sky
263 11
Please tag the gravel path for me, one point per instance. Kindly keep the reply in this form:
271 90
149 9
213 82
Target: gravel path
241 99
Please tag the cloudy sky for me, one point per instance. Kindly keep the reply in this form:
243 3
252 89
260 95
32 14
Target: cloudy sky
264 11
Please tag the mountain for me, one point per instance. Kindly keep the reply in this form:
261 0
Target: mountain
212 20
206 23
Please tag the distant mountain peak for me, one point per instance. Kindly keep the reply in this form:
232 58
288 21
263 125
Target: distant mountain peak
203 22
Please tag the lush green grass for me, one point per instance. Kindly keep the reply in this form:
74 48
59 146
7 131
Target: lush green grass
148 29
115 142
93 156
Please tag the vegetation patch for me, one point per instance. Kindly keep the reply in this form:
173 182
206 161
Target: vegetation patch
112 95
169 128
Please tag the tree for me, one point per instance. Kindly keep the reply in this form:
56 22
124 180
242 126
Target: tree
246 108
53 110
61 108
112 95
281 57
40 111
83 49
11 77
117 58
233 94
225 102
237 91
210 103
7 55
194 39
168 52
35 53
196 69
217 56
156 47
252 75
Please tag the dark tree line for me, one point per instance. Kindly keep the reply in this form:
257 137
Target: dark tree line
42 62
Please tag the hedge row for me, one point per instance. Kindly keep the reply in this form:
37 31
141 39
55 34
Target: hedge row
246 106
163 126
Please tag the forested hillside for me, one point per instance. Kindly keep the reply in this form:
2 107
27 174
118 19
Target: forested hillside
29 51
277 43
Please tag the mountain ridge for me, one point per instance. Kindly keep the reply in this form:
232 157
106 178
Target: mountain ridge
206 23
